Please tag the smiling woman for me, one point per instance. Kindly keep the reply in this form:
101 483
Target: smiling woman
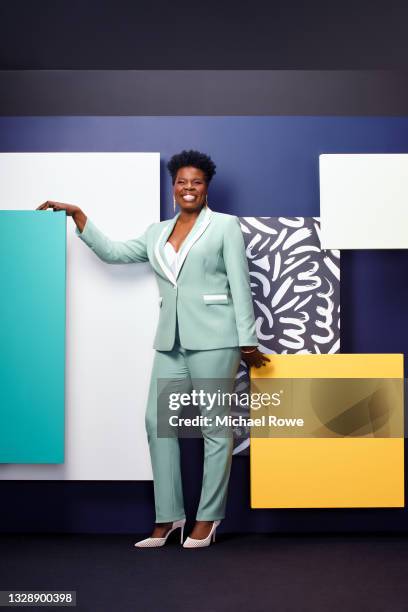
206 325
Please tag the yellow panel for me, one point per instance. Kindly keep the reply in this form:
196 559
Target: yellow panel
328 472
340 365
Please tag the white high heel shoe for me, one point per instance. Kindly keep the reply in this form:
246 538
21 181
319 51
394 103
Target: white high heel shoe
153 542
192 543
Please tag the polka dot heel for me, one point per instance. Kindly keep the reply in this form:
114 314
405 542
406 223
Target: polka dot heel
192 543
155 542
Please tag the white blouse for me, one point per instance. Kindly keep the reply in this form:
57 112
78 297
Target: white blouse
172 257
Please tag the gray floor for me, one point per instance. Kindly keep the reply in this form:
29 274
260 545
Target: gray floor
238 572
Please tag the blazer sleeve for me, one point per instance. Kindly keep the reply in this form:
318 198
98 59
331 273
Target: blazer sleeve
114 251
236 265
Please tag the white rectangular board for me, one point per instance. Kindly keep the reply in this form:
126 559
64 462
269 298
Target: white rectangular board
364 201
112 309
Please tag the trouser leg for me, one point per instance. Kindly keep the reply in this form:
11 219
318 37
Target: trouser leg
165 451
214 370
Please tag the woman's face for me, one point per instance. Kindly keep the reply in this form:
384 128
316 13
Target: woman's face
190 188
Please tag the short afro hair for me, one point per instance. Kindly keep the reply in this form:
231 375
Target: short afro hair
194 159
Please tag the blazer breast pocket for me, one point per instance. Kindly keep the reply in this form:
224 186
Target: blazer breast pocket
215 298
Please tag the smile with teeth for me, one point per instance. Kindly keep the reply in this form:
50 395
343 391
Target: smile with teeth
189 197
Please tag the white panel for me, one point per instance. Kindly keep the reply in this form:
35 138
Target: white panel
364 201
112 309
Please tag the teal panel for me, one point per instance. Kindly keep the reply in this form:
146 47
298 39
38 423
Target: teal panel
32 336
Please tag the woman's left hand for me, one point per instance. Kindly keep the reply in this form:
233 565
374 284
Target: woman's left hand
255 358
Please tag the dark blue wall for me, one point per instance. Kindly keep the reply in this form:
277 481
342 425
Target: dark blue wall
266 166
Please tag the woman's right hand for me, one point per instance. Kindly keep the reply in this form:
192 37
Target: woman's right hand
70 209
78 216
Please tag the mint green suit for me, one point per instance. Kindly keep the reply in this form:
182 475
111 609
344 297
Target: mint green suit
206 314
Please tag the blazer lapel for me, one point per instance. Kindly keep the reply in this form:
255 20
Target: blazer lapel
199 227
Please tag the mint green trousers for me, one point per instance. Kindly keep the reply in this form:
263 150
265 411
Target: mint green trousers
187 369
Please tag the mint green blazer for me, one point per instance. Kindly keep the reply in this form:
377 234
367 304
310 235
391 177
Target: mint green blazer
210 292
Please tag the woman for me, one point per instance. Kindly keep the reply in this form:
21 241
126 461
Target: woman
206 326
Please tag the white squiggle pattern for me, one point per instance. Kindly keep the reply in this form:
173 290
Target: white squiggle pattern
295 332
281 291
296 291
263 280
263 227
326 312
